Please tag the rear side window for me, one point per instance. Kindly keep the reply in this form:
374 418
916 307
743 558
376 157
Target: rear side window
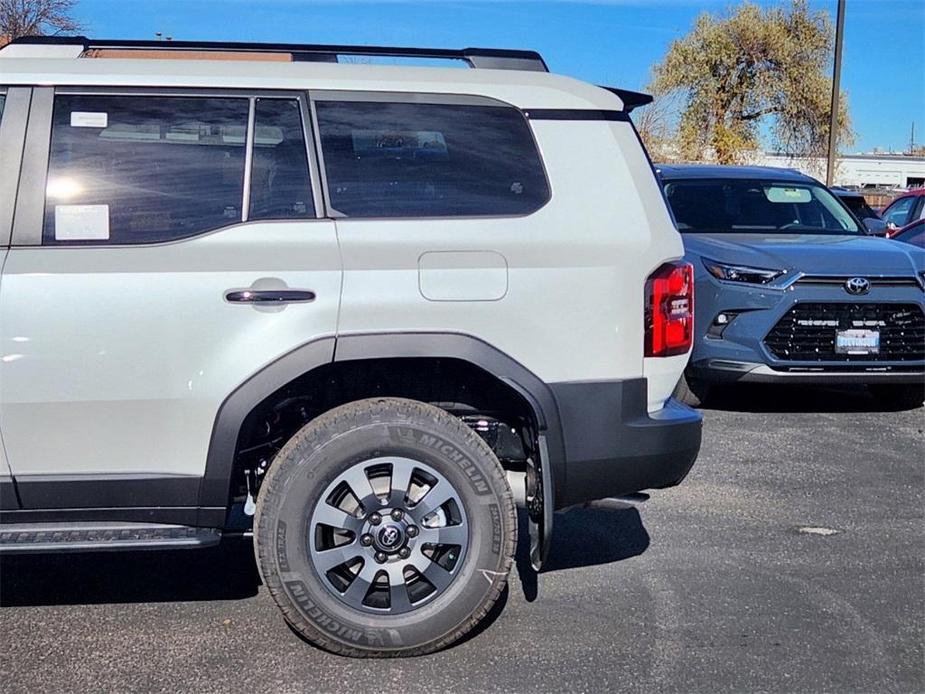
137 169
899 213
429 160
280 185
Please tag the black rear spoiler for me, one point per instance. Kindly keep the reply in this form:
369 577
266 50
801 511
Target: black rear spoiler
630 99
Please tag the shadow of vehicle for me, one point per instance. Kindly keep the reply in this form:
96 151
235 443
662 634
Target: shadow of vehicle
760 397
225 572
608 531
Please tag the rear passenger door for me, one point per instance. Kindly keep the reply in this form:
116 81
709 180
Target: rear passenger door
130 298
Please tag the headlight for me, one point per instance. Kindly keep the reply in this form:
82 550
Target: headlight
741 273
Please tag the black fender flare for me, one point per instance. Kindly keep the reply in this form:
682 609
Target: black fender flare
216 481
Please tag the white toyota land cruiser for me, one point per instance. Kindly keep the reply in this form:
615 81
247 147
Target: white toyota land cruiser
358 309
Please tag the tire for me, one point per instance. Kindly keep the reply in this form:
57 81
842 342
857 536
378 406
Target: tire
426 601
692 391
899 396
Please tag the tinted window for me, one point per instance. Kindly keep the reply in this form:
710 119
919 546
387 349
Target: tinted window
859 206
748 206
280 185
2 101
428 160
915 234
899 212
134 169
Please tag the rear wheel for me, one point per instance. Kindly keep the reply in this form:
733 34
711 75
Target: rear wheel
692 391
904 396
385 527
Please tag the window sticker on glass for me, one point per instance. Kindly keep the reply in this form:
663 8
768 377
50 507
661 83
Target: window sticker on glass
81 222
782 194
89 119
395 143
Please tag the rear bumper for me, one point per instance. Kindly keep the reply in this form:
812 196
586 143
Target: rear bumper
614 446
731 371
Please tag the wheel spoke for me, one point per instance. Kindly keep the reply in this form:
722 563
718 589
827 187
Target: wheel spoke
335 518
359 484
401 480
434 499
446 535
438 576
398 590
358 589
327 559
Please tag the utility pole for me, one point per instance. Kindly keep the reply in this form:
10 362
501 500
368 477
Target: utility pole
836 79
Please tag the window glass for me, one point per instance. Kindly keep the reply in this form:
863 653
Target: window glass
747 206
898 212
915 234
280 184
429 160
2 101
136 169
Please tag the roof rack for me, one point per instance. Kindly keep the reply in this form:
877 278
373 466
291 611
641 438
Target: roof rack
492 58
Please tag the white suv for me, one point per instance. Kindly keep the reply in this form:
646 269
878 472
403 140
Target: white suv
359 310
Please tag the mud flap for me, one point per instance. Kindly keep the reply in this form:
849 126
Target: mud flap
540 506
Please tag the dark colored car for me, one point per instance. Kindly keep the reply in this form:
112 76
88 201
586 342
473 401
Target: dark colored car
856 202
904 210
913 233
790 289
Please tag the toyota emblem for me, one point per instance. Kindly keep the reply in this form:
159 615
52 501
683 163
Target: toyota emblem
857 286
389 536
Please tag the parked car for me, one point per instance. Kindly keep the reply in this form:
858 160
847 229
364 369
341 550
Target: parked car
904 210
913 233
789 289
337 305
855 202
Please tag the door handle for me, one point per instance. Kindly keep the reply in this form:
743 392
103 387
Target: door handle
270 296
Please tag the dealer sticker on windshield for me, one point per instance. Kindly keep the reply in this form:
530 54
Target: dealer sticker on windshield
857 342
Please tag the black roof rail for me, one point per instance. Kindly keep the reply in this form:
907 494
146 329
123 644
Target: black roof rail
630 99
493 58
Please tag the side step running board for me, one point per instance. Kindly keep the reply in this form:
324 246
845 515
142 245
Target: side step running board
19 538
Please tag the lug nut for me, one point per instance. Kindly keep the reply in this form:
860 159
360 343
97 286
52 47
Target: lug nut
366 540
381 557
397 514
412 531
375 518
404 552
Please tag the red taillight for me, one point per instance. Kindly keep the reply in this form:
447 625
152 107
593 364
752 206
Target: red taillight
669 313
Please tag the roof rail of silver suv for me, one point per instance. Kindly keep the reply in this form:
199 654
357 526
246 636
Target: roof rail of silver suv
494 58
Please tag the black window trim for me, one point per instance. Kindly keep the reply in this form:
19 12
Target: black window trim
362 96
30 203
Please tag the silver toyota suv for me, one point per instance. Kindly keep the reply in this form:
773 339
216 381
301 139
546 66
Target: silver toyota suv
358 310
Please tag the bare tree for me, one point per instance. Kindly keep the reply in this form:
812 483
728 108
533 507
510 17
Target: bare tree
36 17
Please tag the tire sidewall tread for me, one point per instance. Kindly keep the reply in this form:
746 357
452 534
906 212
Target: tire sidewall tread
297 464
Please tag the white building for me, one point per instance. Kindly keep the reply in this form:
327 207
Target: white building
861 170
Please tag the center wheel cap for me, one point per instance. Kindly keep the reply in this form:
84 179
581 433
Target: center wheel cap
390 537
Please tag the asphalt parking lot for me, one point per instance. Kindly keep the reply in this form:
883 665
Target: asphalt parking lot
708 587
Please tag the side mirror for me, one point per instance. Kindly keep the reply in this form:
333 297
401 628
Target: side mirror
875 227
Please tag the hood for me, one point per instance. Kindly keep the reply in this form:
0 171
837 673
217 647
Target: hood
813 254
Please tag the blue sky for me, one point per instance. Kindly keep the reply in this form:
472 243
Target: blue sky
612 42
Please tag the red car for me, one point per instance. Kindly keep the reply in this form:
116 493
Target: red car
904 210
913 233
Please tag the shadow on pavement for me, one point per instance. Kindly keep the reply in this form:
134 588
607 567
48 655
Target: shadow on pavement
225 572
758 397
608 532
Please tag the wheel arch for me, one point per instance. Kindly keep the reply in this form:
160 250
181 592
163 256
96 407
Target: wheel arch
326 351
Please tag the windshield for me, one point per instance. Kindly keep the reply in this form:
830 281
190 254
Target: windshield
742 206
